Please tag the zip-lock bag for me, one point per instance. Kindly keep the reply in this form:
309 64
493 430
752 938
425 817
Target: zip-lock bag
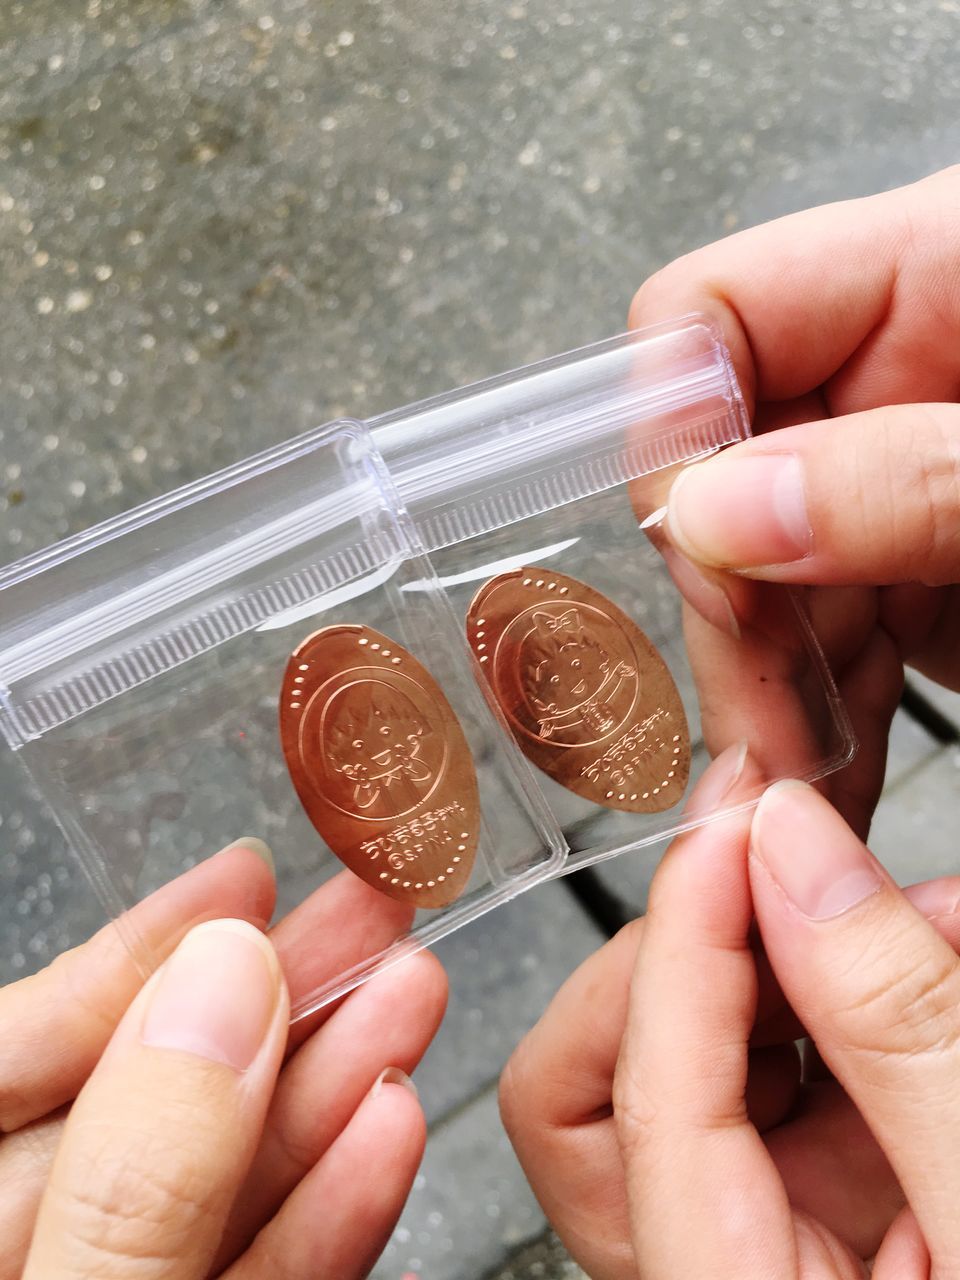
437 657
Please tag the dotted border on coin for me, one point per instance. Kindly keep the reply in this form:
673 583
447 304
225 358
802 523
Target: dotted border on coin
527 582
375 647
610 795
428 884
645 795
395 660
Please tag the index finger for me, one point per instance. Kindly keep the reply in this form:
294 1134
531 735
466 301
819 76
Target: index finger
798 298
680 1089
57 1022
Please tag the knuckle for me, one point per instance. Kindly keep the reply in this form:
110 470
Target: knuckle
92 1002
911 1014
654 293
116 1211
922 498
14 1100
513 1091
299 1144
937 464
634 1110
533 1091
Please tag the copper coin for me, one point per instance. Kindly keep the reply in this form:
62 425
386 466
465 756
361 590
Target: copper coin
380 764
589 699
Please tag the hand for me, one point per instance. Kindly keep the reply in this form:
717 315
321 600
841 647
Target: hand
849 312
160 1131
668 1126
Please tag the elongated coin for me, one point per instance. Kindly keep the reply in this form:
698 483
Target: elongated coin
589 699
380 764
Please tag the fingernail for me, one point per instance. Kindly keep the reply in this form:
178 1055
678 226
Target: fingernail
259 847
810 852
718 780
741 512
393 1075
935 897
216 996
701 593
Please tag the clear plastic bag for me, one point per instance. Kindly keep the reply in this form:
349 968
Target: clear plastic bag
145 666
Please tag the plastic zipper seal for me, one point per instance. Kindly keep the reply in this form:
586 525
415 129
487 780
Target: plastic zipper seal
524 443
463 464
90 594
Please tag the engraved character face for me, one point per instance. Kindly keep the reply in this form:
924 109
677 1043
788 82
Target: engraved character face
562 666
582 688
373 742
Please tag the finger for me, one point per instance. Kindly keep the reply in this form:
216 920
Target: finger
938 900
561 1080
389 1021
556 1090
687 1141
356 923
833 1169
925 623
338 1220
870 689
25 1160
725 601
903 1254
65 1014
162 1134
821 1256
720 599
791 324
555 1101
767 676
877 988
871 498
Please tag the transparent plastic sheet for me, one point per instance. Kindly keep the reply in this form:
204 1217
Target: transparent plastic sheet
565 467
159 739
143 665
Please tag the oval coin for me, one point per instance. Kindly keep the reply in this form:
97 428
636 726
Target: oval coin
588 697
380 764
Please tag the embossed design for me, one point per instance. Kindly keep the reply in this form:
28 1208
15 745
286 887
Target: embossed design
574 685
377 752
380 764
589 698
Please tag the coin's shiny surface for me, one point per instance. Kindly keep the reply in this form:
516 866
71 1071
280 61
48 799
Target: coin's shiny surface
589 699
380 764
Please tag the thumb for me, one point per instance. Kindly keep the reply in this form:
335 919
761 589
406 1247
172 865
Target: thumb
877 989
870 498
163 1133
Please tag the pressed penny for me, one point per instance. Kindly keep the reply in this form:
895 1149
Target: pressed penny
381 764
589 699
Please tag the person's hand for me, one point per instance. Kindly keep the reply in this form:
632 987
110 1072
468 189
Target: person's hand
159 1130
666 1127
845 319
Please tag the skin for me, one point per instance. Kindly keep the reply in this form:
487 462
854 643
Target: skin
660 1108
298 1164
662 1087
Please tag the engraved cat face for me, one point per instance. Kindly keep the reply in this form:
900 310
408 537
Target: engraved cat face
561 664
373 740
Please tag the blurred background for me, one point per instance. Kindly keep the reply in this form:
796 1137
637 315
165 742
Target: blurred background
224 221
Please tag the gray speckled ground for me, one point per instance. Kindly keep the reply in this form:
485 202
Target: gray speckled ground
222 221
